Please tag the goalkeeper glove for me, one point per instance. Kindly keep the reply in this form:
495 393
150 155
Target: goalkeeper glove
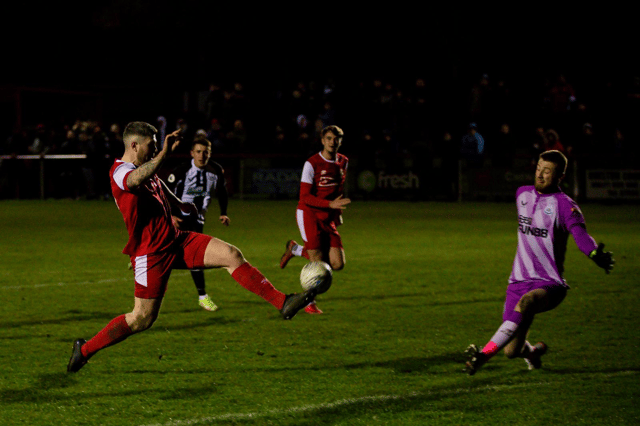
603 259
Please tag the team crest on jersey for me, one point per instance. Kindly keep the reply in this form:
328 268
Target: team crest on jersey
548 210
326 180
196 191
575 211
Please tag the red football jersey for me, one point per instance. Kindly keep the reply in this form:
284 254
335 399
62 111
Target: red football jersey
146 212
327 180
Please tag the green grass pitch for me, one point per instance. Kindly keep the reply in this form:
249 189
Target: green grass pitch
422 281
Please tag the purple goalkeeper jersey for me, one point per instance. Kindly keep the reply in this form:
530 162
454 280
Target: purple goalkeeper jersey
545 221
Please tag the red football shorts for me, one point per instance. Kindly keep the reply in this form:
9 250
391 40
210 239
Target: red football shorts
317 234
152 271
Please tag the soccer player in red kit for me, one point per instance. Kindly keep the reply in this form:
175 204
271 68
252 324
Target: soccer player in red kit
320 207
156 246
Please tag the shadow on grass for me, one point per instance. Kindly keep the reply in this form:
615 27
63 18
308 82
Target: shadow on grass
448 363
207 321
46 389
420 296
226 305
69 317
105 317
590 371
412 364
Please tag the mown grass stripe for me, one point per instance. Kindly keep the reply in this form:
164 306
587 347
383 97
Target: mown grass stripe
374 398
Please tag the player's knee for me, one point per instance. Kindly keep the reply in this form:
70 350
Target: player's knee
337 265
234 256
526 304
142 321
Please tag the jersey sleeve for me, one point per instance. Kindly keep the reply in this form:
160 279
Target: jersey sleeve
120 175
585 242
570 213
221 188
307 173
309 199
574 222
175 181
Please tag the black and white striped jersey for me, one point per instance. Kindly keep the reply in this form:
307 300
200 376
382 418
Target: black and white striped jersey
198 186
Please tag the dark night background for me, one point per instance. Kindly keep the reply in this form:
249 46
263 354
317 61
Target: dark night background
143 42
140 58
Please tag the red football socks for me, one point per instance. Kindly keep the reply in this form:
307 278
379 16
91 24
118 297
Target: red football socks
253 280
116 331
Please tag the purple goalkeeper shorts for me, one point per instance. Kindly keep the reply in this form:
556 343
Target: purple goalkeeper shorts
557 293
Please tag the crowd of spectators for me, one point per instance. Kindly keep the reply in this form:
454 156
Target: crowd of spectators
389 123
67 178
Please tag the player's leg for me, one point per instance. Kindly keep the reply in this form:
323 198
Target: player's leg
316 239
534 302
315 255
531 303
288 253
220 254
333 254
337 258
292 248
151 277
517 319
145 312
203 298
477 357
198 279
336 254
198 276
316 248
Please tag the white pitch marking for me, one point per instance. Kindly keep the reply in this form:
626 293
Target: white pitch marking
62 284
372 398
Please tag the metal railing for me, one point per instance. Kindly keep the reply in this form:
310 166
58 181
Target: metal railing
42 158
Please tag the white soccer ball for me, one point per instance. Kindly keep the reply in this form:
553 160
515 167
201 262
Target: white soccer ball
316 274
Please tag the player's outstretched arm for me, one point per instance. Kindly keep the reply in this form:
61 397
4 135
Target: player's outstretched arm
603 259
148 169
306 197
589 247
223 198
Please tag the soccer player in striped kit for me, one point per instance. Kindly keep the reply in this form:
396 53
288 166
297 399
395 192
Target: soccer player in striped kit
197 182
156 246
319 211
546 217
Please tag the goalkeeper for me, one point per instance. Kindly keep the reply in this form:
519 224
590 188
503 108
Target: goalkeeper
546 217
